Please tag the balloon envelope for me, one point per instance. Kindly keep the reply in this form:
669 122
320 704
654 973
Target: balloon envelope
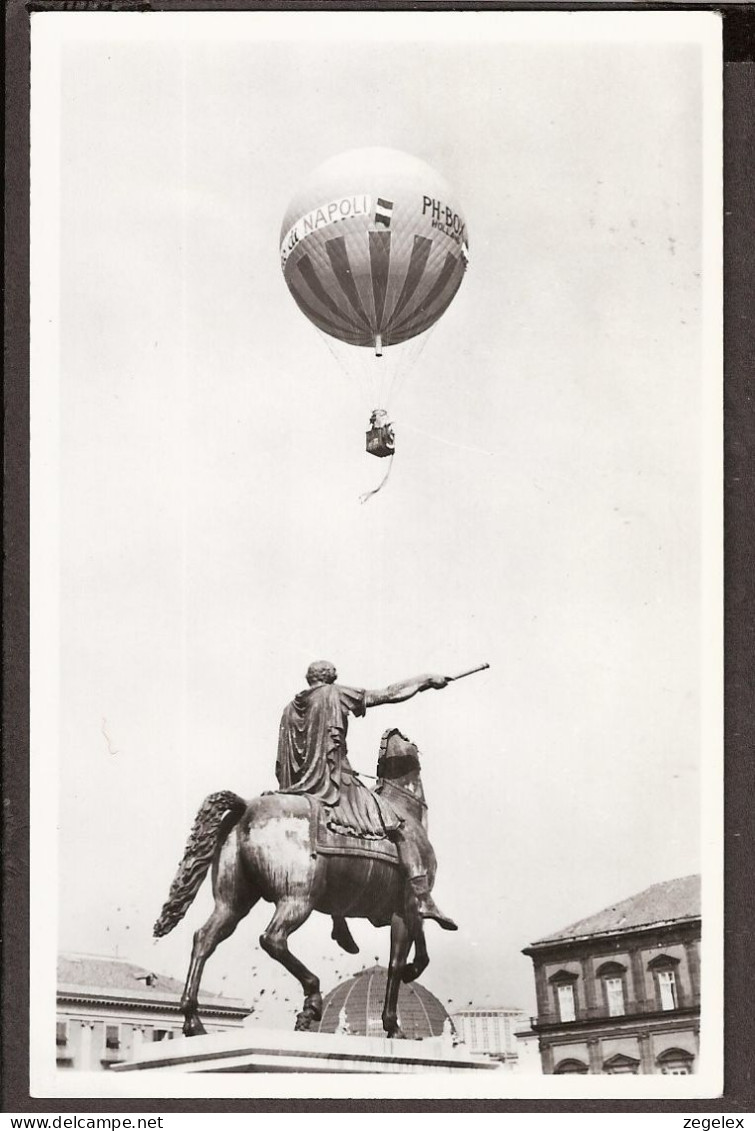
374 247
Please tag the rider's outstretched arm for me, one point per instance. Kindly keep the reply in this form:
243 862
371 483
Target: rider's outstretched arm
404 689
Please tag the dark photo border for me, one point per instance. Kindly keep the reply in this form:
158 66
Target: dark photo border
739 552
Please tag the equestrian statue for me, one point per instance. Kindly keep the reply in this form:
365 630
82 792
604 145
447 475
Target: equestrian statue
324 842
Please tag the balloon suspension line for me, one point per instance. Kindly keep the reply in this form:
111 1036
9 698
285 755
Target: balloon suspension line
368 494
416 347
449 443
343 371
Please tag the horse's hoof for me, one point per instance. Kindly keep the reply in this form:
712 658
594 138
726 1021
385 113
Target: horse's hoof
194 1028
313 1006
396 1034
409 973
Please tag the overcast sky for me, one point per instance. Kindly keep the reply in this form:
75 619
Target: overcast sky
543 512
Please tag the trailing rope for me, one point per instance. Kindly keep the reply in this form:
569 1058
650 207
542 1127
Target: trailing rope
368 494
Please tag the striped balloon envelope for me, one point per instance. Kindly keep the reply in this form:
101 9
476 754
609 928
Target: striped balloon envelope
374 247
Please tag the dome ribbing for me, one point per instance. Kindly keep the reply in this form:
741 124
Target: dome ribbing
356 1005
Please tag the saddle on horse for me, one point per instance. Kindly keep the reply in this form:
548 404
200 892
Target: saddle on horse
364 823
361 823
361 813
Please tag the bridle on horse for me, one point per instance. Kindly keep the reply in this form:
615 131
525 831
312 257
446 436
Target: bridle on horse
399 765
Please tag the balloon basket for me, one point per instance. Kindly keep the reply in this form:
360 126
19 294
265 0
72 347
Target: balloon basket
380 442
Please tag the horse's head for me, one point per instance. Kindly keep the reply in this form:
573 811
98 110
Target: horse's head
398 756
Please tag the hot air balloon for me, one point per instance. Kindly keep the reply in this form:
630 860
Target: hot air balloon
374 247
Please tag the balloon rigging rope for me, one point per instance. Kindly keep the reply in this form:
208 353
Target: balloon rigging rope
388 390
419 344
449 443
368 494
378 386
393 387
344 372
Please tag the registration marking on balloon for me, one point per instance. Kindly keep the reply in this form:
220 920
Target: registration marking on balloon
330 213
445 219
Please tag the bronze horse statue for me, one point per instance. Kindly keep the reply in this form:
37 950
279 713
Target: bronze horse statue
263 849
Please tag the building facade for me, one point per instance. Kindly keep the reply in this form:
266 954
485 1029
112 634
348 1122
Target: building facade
108 1008
492 1031
619 992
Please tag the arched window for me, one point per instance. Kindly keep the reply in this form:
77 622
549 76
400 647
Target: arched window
570 1067
667 989
612 976
564 989
676 1062
621 1065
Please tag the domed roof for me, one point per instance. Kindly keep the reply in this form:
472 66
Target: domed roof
356 1006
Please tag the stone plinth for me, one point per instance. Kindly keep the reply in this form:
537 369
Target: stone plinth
272 1050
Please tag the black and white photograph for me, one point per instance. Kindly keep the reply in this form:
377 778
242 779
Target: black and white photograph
376 527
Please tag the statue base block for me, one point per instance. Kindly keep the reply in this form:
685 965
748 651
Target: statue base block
273 1050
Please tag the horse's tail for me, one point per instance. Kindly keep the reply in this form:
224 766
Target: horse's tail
197 857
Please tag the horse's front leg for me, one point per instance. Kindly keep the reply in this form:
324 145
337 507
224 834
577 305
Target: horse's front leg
400 943
421 960
290 913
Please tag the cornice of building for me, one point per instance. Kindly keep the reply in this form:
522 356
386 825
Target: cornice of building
499 1010
614 1026
133 1000
639 932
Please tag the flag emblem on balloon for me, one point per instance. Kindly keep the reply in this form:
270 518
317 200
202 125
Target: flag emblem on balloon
383 210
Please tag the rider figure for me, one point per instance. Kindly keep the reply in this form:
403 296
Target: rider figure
312 759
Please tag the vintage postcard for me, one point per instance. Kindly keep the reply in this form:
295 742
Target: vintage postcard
376 680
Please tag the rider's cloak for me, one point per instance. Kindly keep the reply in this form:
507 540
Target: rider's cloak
312 740
312 759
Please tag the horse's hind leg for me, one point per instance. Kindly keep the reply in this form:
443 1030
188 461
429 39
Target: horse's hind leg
400 943
221 924
231 906
289 915
421 959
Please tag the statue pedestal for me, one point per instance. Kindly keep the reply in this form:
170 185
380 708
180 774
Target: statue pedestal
273 1050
